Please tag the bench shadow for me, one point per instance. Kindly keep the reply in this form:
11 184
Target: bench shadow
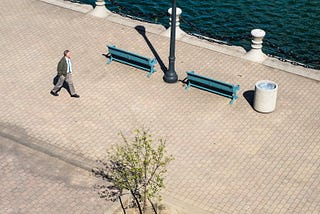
65 85
184 81
107 55
108 191
141 30
249 96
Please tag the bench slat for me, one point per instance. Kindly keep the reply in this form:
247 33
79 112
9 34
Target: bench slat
139 59
212 83
114 48
213 91
131 61
134 65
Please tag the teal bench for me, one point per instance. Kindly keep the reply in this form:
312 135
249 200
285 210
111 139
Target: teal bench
212 85
132 59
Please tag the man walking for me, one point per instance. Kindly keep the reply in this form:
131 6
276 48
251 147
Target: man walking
65 74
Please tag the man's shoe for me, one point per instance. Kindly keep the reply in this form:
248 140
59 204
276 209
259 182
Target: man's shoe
75 95
54 93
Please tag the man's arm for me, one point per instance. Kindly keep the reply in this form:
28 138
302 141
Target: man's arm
61 68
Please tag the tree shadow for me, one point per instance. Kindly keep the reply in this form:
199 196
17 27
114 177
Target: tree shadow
141 30
108 190
65 85
249 96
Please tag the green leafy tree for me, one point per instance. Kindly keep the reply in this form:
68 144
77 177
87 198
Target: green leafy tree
138 166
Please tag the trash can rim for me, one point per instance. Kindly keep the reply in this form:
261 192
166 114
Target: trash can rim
266 85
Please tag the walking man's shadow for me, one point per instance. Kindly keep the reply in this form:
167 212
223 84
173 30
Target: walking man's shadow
65 85
142 31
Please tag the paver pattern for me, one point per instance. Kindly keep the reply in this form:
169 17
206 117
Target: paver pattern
32 182
229 158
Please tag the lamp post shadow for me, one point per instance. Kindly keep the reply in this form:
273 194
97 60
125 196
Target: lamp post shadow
141 30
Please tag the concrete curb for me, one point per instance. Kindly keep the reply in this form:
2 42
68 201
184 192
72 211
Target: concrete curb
82 8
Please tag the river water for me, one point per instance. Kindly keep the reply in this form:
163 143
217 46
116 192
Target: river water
292 26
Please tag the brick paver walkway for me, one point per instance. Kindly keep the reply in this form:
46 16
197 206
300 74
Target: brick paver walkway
229 158
32 182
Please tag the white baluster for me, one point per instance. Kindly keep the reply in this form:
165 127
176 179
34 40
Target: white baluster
256 54
100 10
179 33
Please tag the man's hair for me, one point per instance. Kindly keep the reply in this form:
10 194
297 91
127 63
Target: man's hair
65 52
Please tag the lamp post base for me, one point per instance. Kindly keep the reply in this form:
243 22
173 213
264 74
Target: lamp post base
170 77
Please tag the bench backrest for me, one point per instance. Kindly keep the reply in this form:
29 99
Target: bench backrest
128 56
220 87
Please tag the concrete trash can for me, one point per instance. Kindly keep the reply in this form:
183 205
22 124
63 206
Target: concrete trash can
265 96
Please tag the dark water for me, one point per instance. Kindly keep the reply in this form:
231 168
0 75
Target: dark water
292 26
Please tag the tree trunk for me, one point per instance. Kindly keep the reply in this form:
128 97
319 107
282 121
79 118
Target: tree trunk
137 202
153 207
123 209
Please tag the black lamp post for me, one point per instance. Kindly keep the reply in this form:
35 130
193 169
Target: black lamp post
170 76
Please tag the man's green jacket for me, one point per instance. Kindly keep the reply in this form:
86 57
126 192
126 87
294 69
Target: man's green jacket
62 67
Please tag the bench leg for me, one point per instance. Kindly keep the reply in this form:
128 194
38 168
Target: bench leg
152 70
188 86
150 73
110 60
233 99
